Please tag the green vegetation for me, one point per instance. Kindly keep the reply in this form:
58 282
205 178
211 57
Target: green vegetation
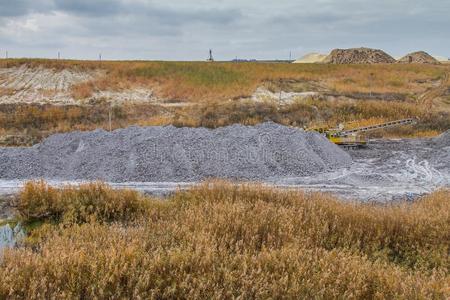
197 74
220 240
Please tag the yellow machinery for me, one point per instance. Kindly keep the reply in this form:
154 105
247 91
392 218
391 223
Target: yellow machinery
353 138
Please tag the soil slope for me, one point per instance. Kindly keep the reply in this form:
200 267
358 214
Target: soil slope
39 85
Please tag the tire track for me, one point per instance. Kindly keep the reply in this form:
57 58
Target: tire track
429 97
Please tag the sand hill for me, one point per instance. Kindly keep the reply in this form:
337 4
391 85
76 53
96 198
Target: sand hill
359 56
440 58
311 58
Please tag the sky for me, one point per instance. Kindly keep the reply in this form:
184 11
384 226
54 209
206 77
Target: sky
251 29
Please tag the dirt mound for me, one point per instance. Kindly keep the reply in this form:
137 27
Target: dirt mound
161 154
40 85
359 56
311 58
420 57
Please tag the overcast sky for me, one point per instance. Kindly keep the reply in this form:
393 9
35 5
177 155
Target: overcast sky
185 30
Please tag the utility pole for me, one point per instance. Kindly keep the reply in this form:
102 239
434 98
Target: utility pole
290 55
210 58
110 118
281 89
6 54
371 79
59 55
100 57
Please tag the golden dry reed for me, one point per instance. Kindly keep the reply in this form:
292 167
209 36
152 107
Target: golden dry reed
224 241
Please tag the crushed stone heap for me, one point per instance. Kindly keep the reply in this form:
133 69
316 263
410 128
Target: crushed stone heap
160 154
419 57
359 56
442 140
439 156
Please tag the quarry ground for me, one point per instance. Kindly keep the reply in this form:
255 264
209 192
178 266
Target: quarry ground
384 171
387 170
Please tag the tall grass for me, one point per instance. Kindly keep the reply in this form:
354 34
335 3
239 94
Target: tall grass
39 121
314 112
91 202
221 240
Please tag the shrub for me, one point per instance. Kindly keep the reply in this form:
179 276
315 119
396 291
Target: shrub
90 202
222 240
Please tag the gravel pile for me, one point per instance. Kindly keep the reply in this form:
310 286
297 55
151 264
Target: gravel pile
443 140
158 154
359 56
441 151
419 57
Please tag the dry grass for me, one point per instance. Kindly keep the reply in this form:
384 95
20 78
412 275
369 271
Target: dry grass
88 203
204 81
221 240
38 121
197 81
216 90
82 90
315 112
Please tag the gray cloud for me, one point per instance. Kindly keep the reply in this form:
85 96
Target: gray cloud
178 29
14 8
93 8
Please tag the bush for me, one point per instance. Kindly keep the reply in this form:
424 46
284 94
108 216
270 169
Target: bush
90 202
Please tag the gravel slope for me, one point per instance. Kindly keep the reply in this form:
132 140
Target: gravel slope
156 154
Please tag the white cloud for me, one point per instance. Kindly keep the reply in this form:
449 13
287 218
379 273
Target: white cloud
18 28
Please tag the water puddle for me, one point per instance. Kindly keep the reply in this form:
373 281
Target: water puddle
10 236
